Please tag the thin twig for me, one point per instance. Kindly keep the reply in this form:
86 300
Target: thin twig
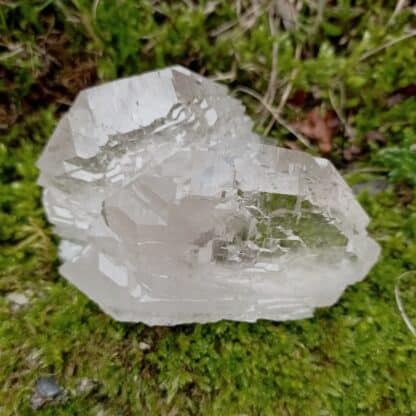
366 55
277 117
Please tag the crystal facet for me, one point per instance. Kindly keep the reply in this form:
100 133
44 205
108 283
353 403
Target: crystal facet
172 210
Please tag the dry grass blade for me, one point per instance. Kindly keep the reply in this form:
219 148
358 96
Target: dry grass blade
94 8
287 91
399 302
338 110
288 13
399 7
386 45
275 115
270 94
245 21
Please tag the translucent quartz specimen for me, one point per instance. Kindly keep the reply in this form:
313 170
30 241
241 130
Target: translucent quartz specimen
171 210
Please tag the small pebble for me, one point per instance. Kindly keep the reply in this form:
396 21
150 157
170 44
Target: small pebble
47 387
37 401
17 298
47 392
34 358
86 386
144 346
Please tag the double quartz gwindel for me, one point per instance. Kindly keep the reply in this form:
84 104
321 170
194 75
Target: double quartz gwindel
171 210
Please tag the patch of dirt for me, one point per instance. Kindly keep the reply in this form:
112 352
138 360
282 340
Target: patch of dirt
404 193
64 72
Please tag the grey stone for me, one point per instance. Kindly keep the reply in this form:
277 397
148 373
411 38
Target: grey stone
17 298
47 392
144 346
47 387
86 386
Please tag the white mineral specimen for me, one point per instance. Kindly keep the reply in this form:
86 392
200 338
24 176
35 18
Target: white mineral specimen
171 210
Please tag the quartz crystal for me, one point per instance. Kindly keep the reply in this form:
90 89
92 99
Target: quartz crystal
171 210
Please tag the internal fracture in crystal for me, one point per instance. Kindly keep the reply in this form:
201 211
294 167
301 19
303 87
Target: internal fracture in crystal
171 210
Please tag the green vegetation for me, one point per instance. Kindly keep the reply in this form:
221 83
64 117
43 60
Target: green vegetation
353 63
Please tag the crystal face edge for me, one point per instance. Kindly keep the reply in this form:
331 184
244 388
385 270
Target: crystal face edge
172 211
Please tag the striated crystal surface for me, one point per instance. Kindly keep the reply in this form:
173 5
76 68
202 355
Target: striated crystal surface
172 210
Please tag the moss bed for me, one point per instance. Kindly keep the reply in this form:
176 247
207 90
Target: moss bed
348 65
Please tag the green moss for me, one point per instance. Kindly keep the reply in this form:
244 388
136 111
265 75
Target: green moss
355 358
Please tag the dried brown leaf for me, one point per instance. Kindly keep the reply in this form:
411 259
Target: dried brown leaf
319 127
